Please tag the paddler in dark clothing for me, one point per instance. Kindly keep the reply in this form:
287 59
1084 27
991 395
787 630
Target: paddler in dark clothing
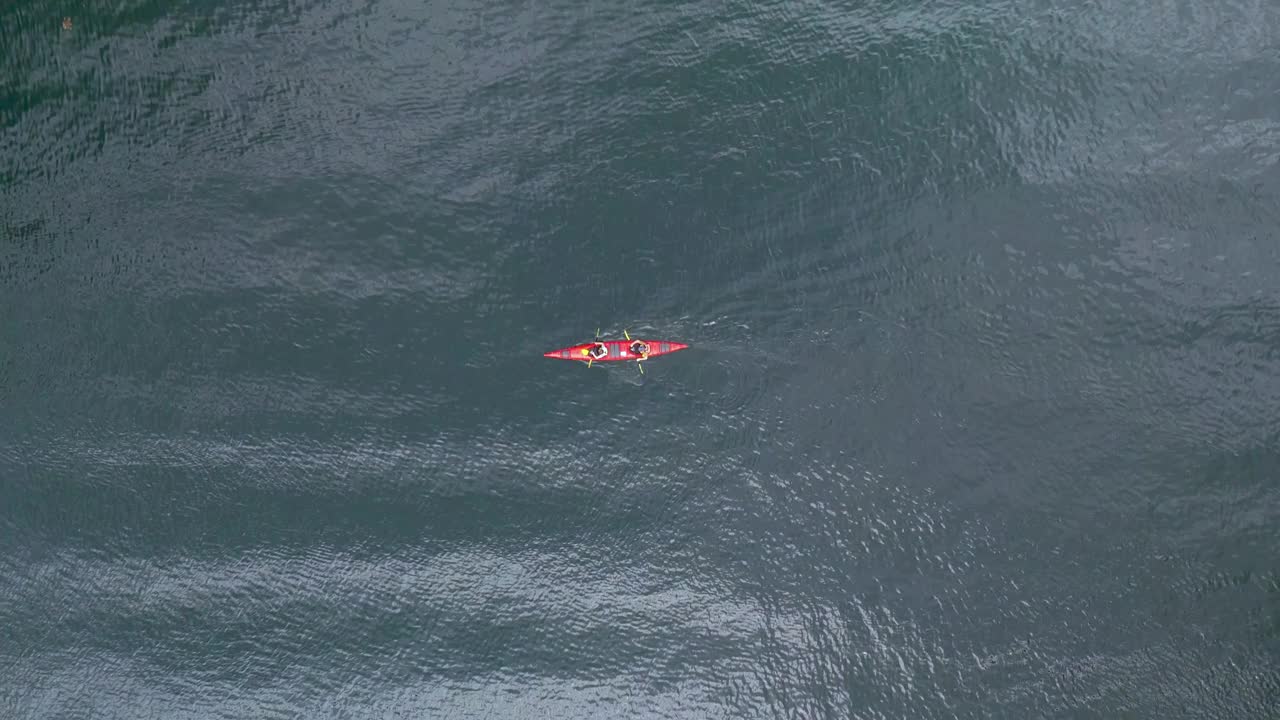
640 349
597 351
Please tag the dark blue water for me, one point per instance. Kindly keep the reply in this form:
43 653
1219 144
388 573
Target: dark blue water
979 418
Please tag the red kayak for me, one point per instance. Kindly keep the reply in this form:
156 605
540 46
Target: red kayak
618 350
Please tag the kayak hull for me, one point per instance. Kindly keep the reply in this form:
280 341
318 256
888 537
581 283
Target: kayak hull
619 350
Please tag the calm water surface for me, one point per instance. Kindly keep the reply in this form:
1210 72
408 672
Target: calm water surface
979 418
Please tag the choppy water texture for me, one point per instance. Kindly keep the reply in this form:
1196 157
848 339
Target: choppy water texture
979 418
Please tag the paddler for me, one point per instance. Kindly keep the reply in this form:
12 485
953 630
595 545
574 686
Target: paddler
596 351
640 349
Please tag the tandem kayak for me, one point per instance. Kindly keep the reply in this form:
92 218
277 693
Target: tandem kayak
619 350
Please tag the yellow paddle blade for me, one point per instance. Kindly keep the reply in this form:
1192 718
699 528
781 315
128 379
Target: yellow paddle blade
640 366
589 361
627 334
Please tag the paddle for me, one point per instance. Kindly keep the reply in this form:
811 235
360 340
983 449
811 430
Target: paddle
628 336
591 358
